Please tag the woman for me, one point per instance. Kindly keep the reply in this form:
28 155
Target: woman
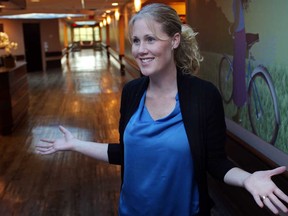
172 128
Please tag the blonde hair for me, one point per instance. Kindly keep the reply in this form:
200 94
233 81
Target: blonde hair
186 55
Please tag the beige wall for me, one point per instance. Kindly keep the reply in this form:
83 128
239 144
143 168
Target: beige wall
128 12
50 32
104 35
50 35
64 34
114 35
15 32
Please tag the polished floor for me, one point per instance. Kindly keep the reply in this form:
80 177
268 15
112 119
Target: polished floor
84 97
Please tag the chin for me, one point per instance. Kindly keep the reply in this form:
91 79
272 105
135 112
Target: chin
146 72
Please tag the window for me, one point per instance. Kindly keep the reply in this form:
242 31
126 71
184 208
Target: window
97 33
83 34
76 34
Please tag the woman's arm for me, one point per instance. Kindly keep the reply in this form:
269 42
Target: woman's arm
261 187
259 184
69 143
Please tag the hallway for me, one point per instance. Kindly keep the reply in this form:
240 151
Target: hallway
83 97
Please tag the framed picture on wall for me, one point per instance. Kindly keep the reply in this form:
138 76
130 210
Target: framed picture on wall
247 61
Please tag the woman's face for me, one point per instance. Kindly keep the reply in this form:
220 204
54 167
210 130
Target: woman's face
152 49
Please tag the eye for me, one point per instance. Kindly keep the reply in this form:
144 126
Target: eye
136 41
150 39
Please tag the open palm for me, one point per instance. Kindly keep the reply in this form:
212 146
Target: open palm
264 190
61 144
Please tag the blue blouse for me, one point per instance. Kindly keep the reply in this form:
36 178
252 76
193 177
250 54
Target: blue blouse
158 166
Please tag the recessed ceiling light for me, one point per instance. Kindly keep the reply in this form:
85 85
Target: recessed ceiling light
115 4
40 16
85 22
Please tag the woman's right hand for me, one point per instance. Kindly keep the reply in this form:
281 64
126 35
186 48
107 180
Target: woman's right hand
62 144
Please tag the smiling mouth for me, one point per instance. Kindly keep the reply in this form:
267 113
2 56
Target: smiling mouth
146 60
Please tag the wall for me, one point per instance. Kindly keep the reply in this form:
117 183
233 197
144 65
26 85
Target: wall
104 38
117 36
67 33
50 34
15 32
52 37
114 35
213 19
129 11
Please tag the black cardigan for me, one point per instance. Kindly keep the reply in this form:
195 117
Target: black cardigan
204 122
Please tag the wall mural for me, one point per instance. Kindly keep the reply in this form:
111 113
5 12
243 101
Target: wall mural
244 44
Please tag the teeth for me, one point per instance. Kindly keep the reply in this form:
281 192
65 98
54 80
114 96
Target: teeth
146 60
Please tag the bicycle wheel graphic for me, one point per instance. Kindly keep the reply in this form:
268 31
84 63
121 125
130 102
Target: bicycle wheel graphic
263 106
226 79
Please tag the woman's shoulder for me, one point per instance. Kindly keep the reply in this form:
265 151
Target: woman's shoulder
135 82
200 84
135 85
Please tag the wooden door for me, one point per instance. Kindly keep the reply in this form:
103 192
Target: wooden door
32 42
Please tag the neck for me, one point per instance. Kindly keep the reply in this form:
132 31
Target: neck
165 84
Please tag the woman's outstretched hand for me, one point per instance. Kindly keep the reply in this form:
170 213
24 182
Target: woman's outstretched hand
61 144
265 191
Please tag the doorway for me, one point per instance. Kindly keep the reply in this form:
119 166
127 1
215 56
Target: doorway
32 43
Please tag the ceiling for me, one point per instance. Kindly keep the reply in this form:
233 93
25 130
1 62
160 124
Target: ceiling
92 8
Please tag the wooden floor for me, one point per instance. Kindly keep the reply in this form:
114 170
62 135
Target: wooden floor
84 97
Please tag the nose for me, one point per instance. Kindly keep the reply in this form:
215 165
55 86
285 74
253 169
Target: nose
142 48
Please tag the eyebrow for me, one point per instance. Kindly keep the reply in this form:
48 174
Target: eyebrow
145 36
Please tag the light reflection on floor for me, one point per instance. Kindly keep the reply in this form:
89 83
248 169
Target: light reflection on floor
84 97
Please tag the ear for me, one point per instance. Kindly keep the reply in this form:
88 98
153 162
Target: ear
176 40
